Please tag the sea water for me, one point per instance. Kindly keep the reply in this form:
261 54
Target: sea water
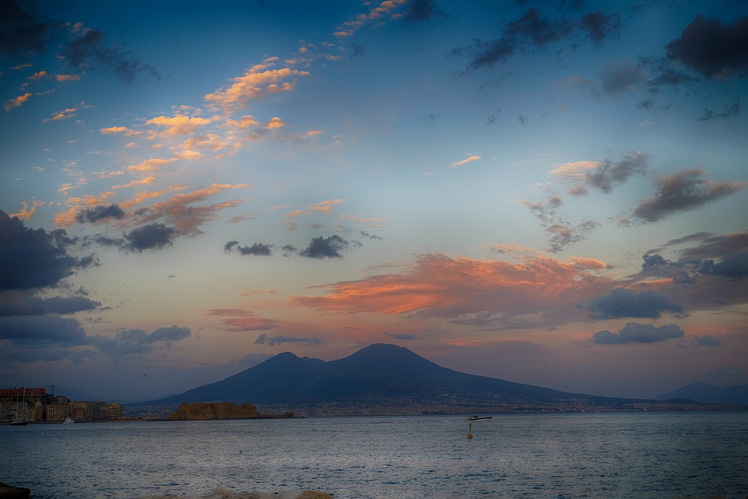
663 454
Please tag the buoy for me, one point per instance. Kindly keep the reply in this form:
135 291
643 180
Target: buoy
470 431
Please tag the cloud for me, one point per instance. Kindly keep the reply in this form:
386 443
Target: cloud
98 213
562 233
325 247
277 340
181 124
180 211
620 77
86 50
242 320
471 157
258 249
421 10
24 303
531 30
21 32
622 302
603 175
33 258
707 341
598 25
683 191
732 266
461 288
16 101
152 236
709 115
257 82
377 14
42 329
638 333
713 48
131 342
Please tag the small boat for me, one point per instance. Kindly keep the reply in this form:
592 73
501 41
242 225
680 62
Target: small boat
19 422
68 420
477 418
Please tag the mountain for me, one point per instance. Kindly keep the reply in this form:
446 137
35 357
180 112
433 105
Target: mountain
706 393
383 379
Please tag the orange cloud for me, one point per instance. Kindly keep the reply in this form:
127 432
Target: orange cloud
62 78
374 15
27 213
181 124
242 320
471 157
469 290
16 101
150 165
256 82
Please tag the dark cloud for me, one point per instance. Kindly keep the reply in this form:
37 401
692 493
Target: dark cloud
608 174
277 340
421 10
258 249
652 261
137 342
531 30
733 266
33 258
620 77
598 25
713 48
152 236
42 329
99 213
683 191
358 49
370 236
622 302
25 303
638 333
710 115
707 341
87 50
325 247
24 32
21 31
563 235
561 232
706 245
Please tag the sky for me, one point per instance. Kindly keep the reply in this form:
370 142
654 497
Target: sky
551 193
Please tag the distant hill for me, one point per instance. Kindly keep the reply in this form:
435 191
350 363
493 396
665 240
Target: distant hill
706 393
383 379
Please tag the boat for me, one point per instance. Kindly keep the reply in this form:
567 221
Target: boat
21 420
68 420
477 418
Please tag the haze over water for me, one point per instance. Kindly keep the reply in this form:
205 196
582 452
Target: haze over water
567 455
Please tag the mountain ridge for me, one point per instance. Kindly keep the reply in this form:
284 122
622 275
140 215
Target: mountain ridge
709 394
387 379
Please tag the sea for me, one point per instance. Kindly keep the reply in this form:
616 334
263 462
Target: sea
617 455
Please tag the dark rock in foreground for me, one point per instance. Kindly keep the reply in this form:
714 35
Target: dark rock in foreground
11 492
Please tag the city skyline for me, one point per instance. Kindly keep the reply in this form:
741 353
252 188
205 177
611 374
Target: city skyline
552 193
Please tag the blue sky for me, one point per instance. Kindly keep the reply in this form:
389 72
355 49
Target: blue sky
551 193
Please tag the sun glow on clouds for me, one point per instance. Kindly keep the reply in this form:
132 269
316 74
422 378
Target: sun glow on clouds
440 286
